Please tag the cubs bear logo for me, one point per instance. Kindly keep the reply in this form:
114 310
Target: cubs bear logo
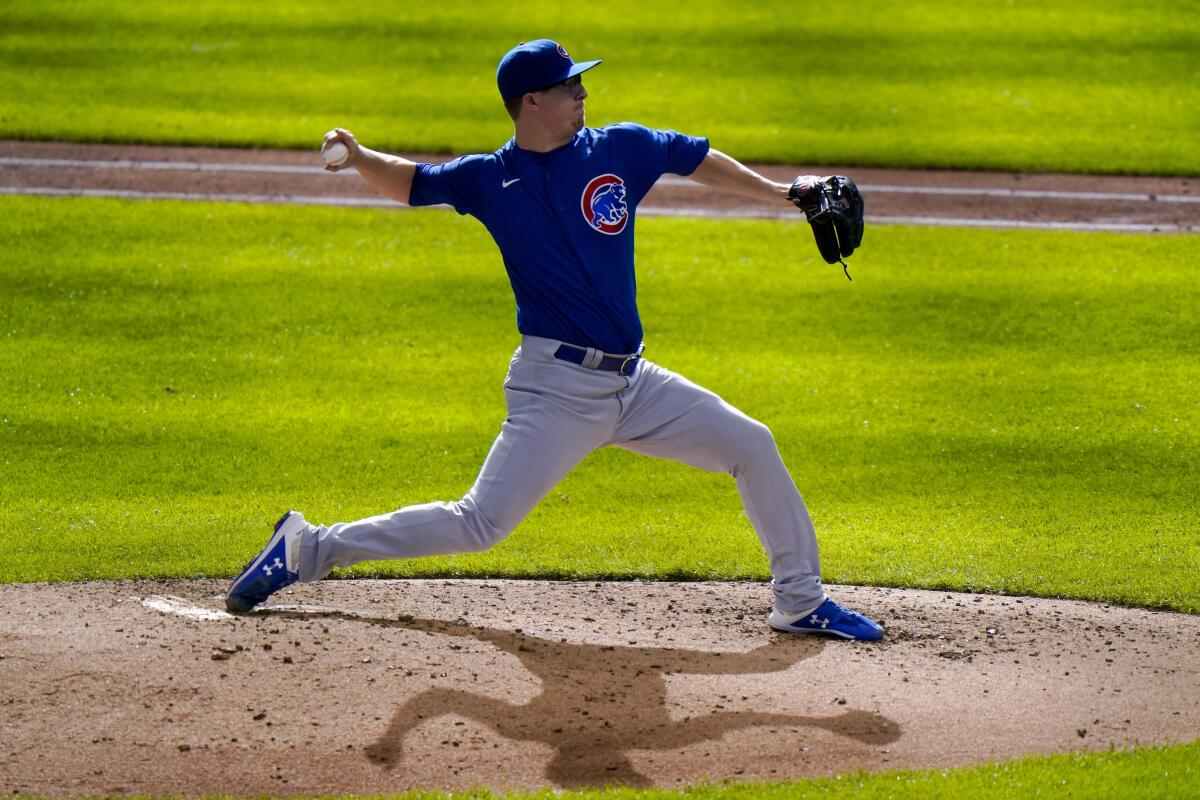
603 204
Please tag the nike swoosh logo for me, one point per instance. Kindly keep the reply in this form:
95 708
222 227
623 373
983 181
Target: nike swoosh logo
506 184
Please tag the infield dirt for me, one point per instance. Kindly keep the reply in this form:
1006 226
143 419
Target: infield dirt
378 686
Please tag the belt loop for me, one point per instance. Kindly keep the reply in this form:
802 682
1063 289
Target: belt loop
592 358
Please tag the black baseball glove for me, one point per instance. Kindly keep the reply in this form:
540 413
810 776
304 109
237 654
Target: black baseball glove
834 208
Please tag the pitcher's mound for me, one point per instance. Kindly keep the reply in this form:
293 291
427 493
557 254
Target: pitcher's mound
370 687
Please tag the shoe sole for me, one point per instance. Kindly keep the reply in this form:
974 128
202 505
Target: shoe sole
823 632
230 600
826 632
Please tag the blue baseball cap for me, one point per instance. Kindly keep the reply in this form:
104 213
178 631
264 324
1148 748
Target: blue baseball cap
533 65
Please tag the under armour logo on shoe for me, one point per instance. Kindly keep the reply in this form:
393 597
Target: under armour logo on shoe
814 619
270 568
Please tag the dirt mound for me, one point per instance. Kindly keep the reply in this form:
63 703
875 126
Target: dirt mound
379 686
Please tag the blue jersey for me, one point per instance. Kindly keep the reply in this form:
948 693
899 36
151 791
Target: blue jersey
563 221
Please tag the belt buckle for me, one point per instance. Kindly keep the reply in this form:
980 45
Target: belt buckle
635 357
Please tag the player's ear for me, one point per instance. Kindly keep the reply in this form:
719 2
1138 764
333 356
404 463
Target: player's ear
529 102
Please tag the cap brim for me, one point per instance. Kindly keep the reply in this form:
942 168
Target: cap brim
576 69
582 66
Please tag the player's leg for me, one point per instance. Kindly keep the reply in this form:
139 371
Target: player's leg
542 439
667 416
555 418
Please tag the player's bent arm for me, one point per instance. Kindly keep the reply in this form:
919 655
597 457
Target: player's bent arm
726 174
391 176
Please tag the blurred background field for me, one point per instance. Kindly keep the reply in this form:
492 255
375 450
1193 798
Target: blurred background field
990 411
1078 85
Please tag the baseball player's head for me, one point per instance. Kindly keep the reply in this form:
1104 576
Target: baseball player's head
541 84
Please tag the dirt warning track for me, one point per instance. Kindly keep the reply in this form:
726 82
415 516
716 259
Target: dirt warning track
911 197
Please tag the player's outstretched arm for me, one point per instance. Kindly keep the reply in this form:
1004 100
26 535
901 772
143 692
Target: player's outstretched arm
726 174
391 176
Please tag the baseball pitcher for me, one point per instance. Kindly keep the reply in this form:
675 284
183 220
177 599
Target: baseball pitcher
560 199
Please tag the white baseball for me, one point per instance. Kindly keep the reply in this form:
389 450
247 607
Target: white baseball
336 154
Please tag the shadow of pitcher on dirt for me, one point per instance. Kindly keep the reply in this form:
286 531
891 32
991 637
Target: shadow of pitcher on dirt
598 702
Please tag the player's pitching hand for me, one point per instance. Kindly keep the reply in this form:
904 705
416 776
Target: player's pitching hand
339 150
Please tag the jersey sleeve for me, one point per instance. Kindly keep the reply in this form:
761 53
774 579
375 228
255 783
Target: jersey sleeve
452 183
655 152
678 153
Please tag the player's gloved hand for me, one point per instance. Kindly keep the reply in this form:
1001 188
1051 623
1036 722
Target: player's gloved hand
834 208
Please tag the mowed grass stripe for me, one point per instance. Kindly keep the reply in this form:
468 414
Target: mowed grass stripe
992 411
1079 85
1159 773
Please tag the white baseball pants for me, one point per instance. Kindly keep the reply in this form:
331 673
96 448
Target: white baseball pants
558 413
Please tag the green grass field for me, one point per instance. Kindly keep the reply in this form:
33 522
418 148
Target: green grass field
995 411
1149 774
1078 85
992 411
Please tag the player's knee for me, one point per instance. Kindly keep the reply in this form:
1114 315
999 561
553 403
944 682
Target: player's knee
757 437
483 532
755 442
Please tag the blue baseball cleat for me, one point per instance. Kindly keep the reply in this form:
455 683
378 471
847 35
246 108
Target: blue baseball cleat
274 568
828 618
